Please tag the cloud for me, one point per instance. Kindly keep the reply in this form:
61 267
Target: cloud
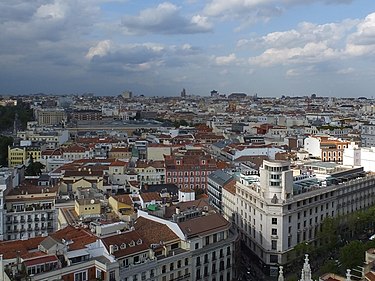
101 49
225 60
310 43
362 41
348 70
165 19
252 11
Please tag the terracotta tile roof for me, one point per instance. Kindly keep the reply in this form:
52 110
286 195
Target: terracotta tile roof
204 225
75 148
154 232
199 203
231 187
79 236
25 248
127 243
125 198
119 163
41 260
370 276
120 149
150 196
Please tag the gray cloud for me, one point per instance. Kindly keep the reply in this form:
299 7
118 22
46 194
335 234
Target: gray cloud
165 19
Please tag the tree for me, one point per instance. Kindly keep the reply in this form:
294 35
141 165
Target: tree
5 141
352 254
34 168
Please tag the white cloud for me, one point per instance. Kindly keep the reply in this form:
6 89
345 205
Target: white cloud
101 49
165 19
225 60
310 53
362 41
55 11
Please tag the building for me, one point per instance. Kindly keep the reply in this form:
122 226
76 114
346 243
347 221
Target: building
151 172
68 254
87 208
216 182
326 148
50 116
30 211
20 154
282 210
368 135
189 170
120 153
356 156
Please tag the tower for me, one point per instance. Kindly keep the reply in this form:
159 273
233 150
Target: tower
306 270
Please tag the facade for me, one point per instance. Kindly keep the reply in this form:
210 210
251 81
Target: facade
360 157
48 117
20 154
152 172
216 182
87 208
282 211
30 212
326 148
368 135
189 170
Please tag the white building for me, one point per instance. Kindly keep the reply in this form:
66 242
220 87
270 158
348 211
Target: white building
282 211
356 156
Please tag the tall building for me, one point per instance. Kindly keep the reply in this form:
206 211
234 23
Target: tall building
30 211
282 210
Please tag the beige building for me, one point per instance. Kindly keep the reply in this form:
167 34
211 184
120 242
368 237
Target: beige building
120 153
54 116
157 151
87 208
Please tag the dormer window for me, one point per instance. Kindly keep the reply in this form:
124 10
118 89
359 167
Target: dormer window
139 241
132 243
123 246
178 162
115 248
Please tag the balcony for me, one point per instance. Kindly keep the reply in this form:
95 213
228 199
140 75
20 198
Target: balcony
29 220
22 220
36 219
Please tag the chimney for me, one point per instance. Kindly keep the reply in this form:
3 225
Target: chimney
111 249
177 210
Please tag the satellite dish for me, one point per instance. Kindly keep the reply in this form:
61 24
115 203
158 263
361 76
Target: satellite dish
92 201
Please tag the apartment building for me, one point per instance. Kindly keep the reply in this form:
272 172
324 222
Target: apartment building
283 210
189 169
30 211
217 180
20 154
150 172
53 138
327 148
368 134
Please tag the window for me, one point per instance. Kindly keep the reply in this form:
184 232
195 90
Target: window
80 276
274 220
274 259
273 244
274 231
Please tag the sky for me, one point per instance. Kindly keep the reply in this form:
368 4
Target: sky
156 48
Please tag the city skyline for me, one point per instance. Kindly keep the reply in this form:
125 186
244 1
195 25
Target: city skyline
156 48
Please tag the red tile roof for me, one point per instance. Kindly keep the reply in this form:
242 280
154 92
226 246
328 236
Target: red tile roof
154 232
127 243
